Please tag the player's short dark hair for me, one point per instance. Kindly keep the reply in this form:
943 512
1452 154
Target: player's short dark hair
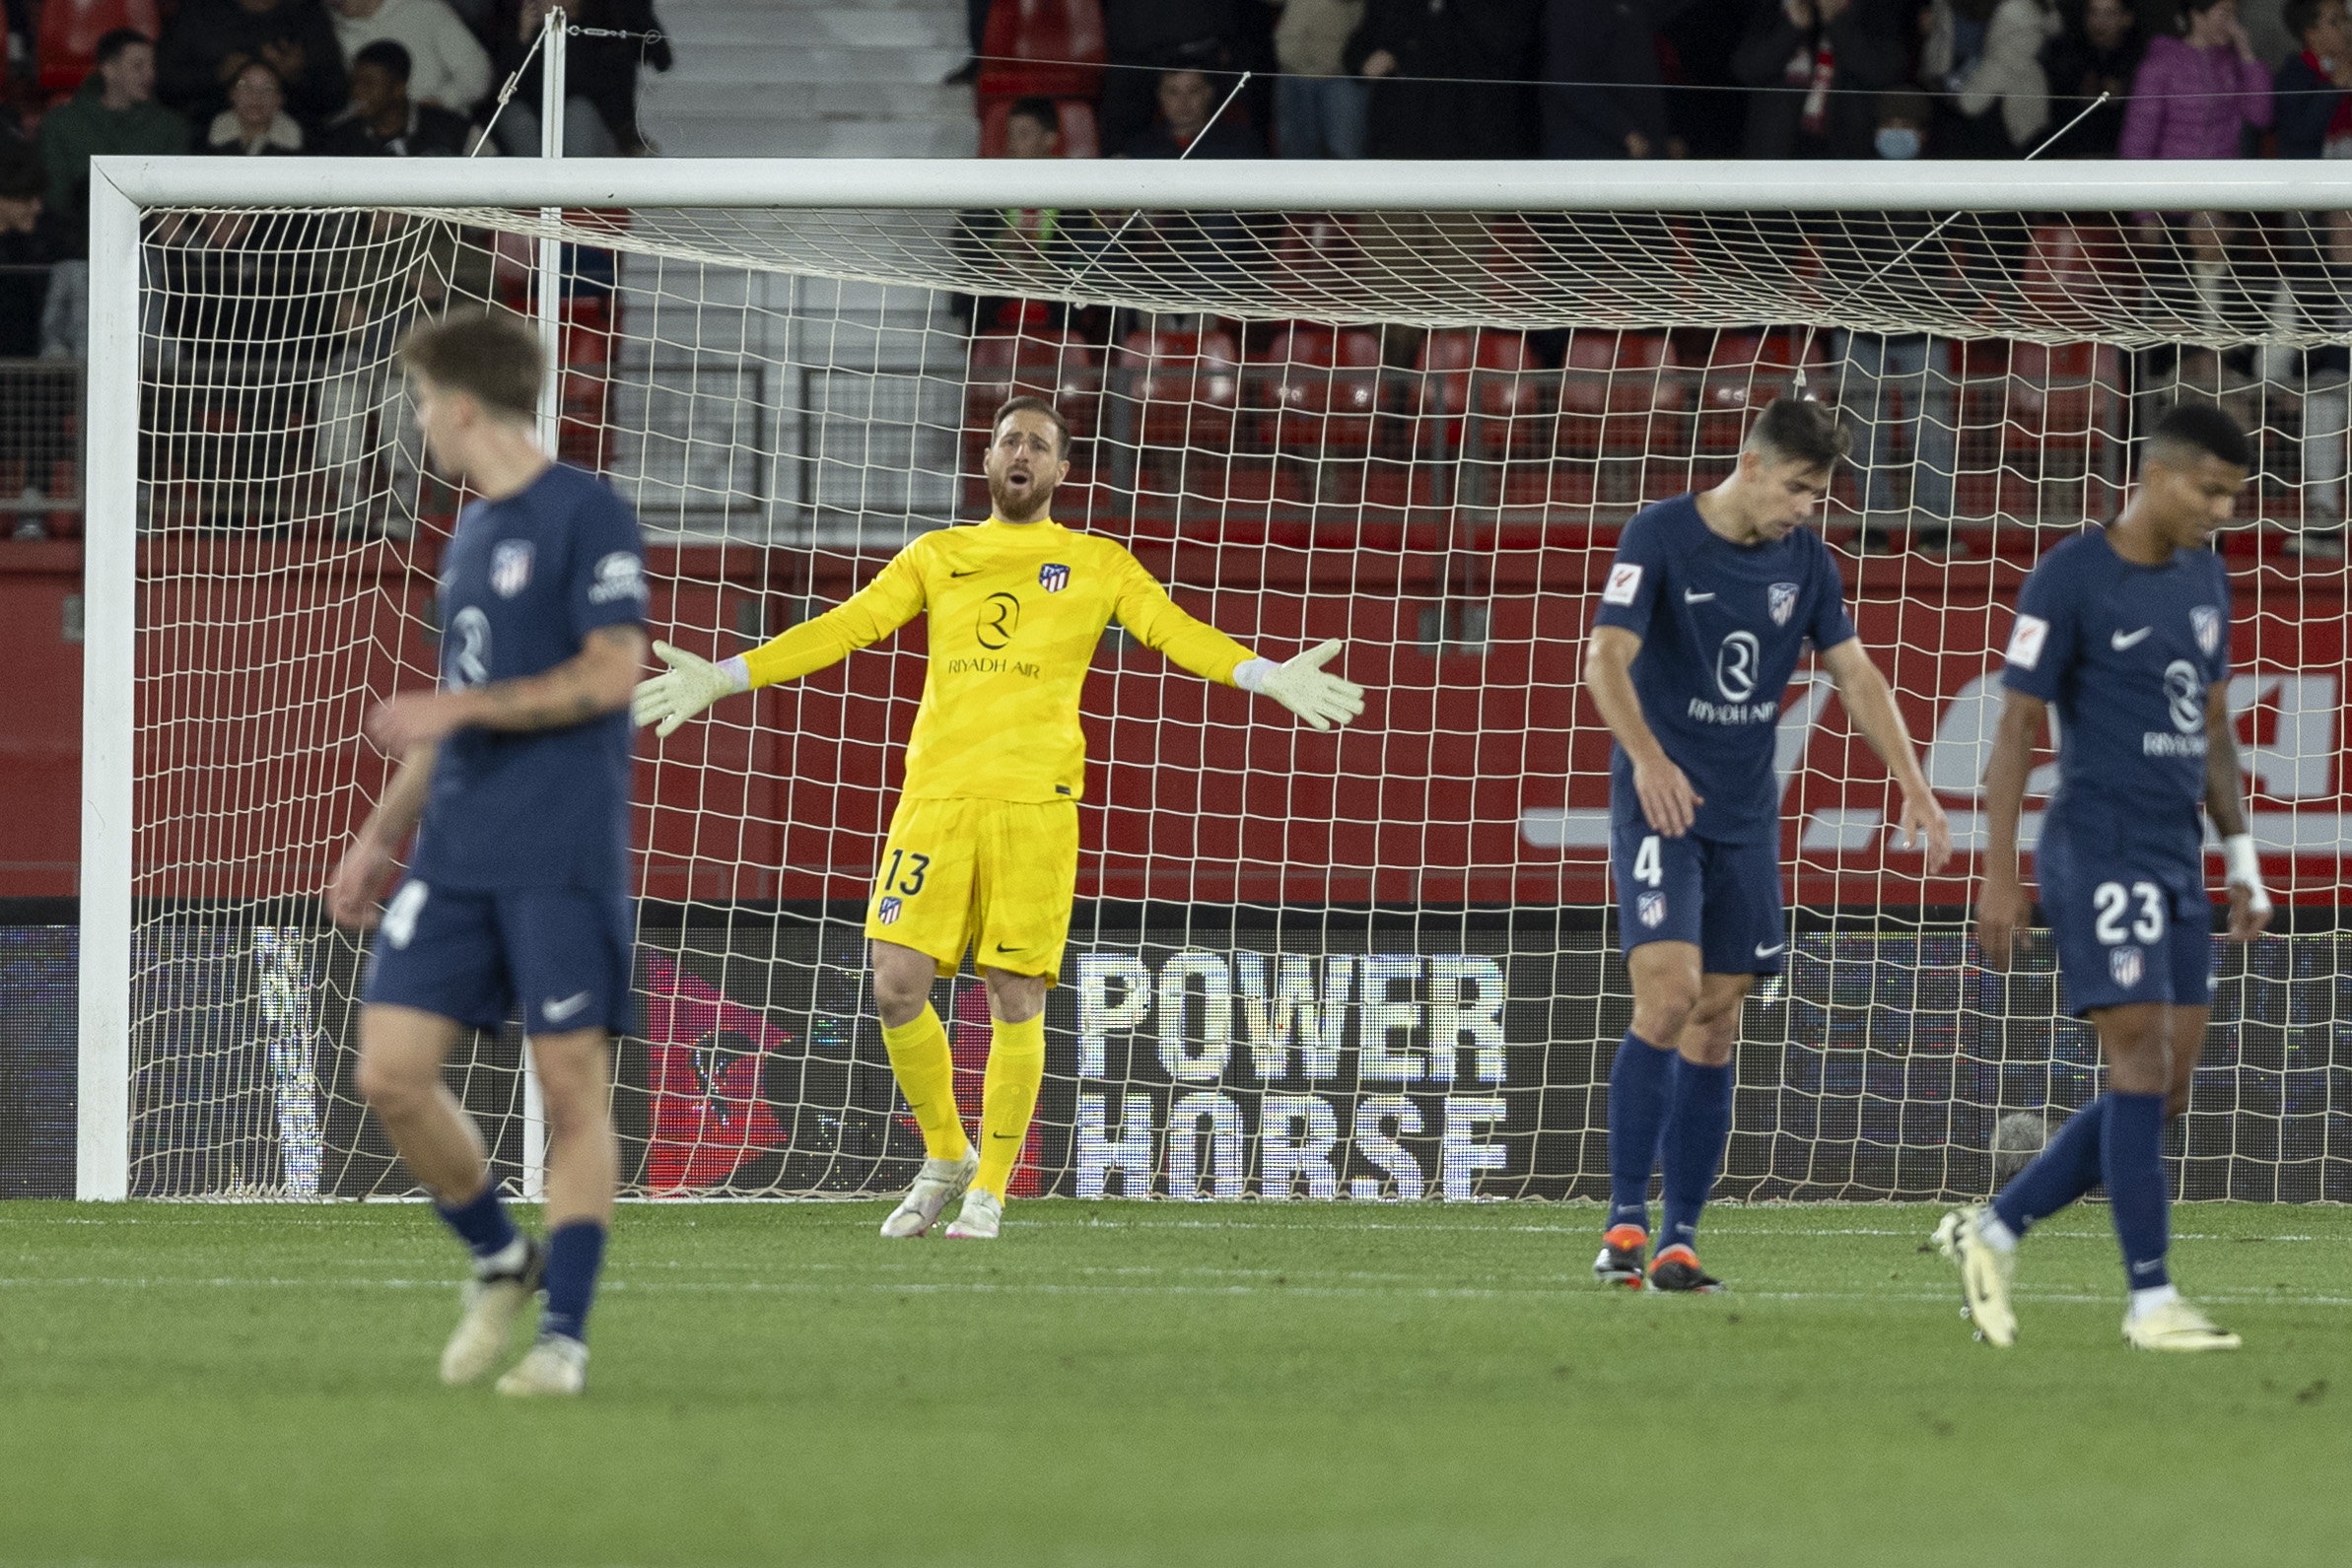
1799 429
491 355
112 42
2301 15
1033 405
388 55
2192 429
1041 111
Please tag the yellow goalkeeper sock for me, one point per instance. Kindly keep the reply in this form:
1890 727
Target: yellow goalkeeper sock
1007 1098
926 1073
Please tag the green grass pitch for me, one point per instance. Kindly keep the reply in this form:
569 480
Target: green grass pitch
1161 1384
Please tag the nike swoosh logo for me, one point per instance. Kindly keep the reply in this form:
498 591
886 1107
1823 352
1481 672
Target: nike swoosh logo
2124 640
1690 597
1004 1134
1002 948
975 571
1768 952
555 1012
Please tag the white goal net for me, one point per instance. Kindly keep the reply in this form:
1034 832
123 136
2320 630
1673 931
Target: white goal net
1377 965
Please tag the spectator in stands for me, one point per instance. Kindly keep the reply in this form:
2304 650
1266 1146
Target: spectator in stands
448 65
1980 57
114 111
255 123
2203 95
383 121
2314 120
2099 52
1817 66
2314 112
1319 104
1189 126
1447 77
600 74
1899 256
1142 39
210 41
32 429
1029 242
1600 59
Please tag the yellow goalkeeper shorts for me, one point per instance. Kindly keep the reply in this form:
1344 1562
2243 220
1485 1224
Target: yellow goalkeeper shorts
995 877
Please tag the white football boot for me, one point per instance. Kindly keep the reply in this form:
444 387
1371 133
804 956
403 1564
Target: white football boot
983 1213
2176 1326
1984 1273
940 1183
491 1308
557 1364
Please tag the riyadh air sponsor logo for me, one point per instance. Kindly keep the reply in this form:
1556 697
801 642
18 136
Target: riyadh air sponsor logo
2184 690
2126 966
509 566
2205 621
1052 577
886 912
1650 910
1782 602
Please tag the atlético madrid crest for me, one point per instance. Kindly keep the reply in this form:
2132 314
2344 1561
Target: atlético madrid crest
1650 909
2125 965
1782 603
888 912
2205 621
1053 577
509 566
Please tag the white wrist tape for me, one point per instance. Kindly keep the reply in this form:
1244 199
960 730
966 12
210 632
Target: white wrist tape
736 670
2242 867
1250 674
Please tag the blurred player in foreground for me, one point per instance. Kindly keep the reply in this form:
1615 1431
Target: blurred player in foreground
2125 630
983 850
518 888
1710 600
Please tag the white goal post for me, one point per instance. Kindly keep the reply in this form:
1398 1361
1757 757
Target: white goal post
1725 248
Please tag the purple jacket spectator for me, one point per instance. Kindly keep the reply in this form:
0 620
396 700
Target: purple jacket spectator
2194 102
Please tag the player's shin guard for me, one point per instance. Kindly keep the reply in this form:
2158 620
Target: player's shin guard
1008 1098
2066 1168
1692 1146
925 1071
1640 1093
574 1256
2131 1161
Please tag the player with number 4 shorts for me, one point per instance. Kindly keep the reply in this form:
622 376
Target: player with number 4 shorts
2125 632
1710 600
983 850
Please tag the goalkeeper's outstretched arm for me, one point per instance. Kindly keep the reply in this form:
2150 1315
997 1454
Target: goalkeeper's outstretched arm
693 683
1299 683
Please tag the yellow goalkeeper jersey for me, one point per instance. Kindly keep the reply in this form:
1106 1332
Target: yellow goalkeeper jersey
1014 611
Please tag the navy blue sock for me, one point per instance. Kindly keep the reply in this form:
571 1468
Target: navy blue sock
2066 1168
1639 1085
2131 1159
575 1253
1693 1147
481 1222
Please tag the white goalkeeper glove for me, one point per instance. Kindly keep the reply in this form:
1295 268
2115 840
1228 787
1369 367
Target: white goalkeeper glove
690 685
1300 685
2242 867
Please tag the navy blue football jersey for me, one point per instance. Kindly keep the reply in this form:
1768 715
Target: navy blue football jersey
1721 627
2123 655
526 580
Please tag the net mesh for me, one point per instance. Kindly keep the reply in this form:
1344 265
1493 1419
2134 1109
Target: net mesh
1372 965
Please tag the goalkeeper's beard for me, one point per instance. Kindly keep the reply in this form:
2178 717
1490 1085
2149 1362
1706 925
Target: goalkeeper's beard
1020 503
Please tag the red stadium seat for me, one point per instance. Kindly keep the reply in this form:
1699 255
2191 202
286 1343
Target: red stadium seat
1322 390
1079 136
2060 410
1744 372
69 30
1042 48
1035 363
1621 397
1183 388
2071 271
1482 379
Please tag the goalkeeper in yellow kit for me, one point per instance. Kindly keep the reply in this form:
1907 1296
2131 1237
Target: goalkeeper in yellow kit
982 851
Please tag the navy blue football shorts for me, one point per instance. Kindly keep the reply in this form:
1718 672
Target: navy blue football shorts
1725 898
2127 928
561 955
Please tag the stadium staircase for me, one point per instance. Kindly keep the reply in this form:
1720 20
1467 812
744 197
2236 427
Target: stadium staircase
811 79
